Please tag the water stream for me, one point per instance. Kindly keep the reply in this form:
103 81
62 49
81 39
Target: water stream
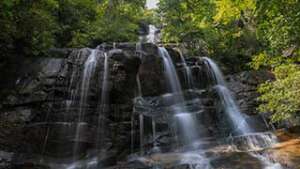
240 125
88 72
103 106
187 72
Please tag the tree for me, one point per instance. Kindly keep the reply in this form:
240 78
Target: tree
27 27
31 27
119 20
281 97
224 28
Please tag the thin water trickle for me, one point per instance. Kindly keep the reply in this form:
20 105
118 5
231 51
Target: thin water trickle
138 49
132 133
155 146
139 87
141 119
104 101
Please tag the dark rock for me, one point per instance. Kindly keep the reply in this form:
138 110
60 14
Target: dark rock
244 86
5 160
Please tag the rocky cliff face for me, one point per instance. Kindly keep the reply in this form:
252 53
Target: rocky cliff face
37 124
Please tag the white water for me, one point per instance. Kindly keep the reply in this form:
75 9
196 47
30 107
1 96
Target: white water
151 4
214 71
89 70
104 90
188 72
231 109
152 36
187 125
170 72
241 126
104 101
195 161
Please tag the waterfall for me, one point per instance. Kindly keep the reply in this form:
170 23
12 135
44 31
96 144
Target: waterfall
152 36
187 71
187 125
252 142
230 107
170 72
88 71
239 122
104 90
213 71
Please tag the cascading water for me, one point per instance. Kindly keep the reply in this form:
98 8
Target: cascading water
241 127
89 70
170 72
187 72
230 107
152 36
104 101
213 71
187 125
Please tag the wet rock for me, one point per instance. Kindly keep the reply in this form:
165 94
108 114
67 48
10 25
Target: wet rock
236 161
244 86
5 160
286 152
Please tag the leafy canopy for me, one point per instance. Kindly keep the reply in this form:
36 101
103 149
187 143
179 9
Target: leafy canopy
31 27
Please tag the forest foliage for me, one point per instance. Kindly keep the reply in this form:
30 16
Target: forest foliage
244 34
31 27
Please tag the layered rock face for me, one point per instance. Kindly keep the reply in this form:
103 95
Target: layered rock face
37 118
41 117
